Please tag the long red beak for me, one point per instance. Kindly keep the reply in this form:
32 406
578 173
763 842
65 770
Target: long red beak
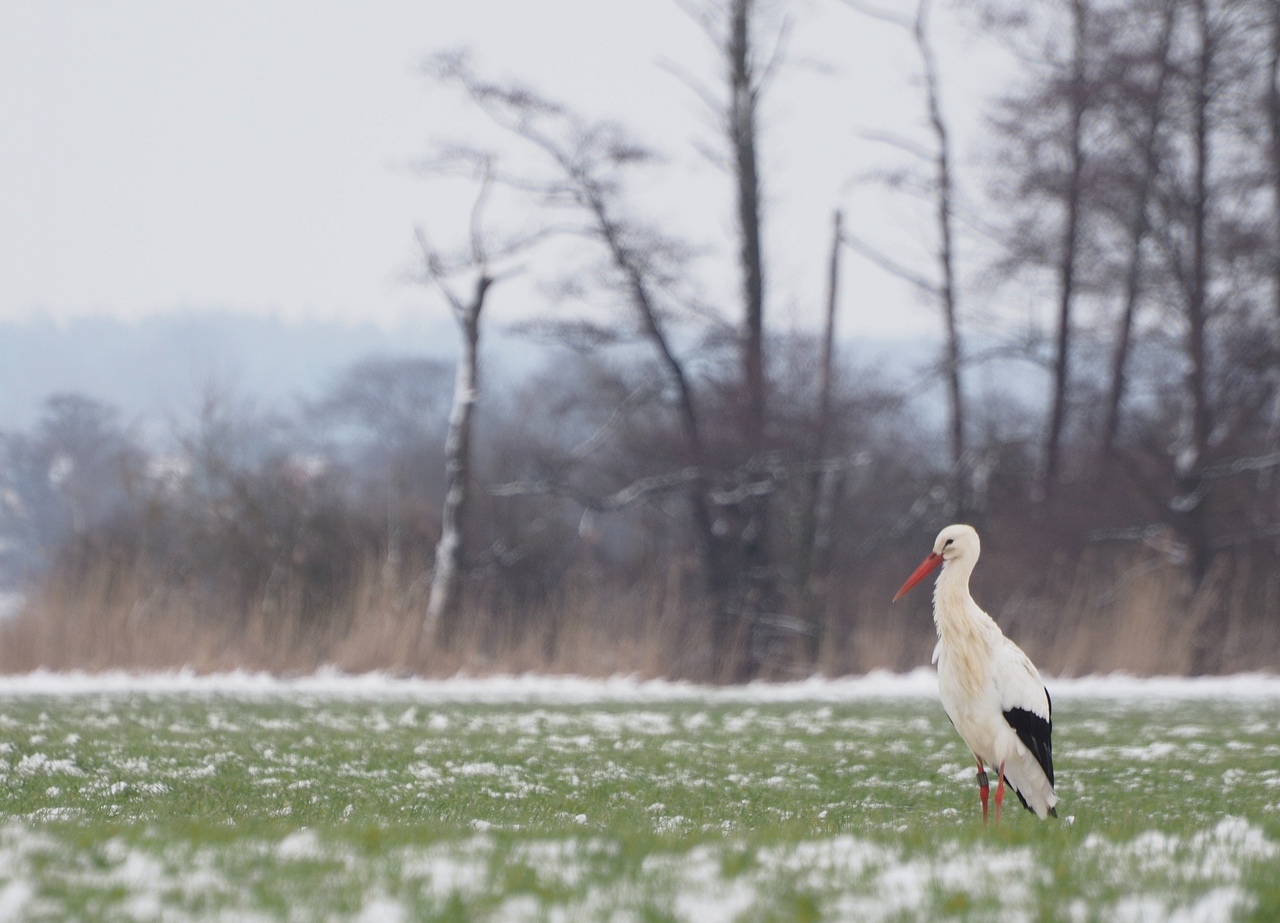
926 567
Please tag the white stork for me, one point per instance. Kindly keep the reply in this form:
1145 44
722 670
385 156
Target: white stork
989 688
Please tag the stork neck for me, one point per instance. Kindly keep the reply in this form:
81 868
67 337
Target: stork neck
953 606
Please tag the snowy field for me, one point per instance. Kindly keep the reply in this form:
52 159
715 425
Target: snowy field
372 798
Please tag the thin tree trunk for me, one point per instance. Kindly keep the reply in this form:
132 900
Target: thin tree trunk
1273 117
826 372
1197 308
946 239
450 558
1138 230
757 592
813 538
945 290
1067 258
743 136
1197 295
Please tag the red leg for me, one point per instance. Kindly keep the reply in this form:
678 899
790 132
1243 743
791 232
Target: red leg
999 794
983 788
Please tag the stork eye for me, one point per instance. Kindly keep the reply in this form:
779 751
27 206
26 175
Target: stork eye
947 542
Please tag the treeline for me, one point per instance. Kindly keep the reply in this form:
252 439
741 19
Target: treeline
687 489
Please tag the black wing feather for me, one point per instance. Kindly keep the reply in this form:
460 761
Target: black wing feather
1036 734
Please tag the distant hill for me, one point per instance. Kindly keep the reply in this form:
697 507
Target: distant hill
158 368
162 365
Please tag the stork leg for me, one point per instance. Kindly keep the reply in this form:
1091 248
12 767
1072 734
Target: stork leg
983 788
999 794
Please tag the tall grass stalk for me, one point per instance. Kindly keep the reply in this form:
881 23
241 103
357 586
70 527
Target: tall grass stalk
1094 615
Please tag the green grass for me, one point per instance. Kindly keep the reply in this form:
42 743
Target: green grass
312 807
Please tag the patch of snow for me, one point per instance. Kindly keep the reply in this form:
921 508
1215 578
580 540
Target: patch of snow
34 763
381 909
1154 752
14 896
1240 686
572 690
1221 905
477 769
851 878
301 844
451 869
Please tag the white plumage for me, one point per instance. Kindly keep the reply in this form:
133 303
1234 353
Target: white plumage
990 689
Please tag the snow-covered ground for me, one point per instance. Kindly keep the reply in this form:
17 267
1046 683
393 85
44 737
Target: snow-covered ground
569 690
857 879
655 800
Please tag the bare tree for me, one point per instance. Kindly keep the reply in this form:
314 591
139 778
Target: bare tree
732 26
584 186
747 78
942 191
1151 104
735 27
817 506
1273 124
1211 255
746 84
945 209
1188 207
1048 183
1072 195
450 557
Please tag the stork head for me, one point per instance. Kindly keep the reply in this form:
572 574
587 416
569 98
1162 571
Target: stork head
954 543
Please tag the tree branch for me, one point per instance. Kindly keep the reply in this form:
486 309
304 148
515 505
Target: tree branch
888 264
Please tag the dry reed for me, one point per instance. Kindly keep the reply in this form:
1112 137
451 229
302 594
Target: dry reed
1093 615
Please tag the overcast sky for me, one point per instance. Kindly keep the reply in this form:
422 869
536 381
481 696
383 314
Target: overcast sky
162 157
